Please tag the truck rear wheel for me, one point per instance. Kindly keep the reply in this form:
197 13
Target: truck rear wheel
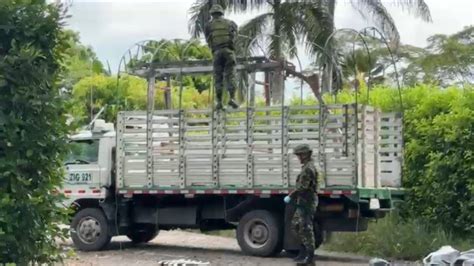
142 233
89 230
260 233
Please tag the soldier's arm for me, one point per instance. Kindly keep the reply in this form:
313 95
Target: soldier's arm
307 176
234 29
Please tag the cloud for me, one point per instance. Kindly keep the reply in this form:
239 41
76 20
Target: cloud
110 27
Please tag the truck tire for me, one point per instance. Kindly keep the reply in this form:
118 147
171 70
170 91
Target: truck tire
142 233
260 233
90 230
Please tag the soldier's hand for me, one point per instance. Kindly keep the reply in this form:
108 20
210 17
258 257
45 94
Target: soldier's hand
287 199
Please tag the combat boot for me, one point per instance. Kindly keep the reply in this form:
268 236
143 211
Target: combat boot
233 104
220 107
308 260
301 254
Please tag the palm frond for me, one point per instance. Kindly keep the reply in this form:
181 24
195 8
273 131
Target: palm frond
381 17
418 7
199 11
250 31
200 16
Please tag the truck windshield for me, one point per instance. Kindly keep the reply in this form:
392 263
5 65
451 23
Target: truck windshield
83 152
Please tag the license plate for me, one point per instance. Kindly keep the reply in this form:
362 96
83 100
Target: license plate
80 178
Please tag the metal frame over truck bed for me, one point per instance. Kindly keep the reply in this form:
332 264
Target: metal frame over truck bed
248 150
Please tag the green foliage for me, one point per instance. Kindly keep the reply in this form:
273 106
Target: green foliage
447 60
164 51
79 61
439 151
395 238
32 131
131 94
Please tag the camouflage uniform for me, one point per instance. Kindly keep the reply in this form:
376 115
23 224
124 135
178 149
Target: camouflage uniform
306 200
220 36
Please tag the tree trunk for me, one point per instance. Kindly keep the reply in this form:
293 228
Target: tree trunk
311 80
266 88
327 75
278 80
167 94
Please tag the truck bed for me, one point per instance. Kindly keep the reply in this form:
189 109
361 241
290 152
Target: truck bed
249 150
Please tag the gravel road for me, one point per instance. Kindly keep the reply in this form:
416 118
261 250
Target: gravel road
172 245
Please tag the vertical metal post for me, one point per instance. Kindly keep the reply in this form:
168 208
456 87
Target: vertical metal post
346 129
168 103
284 147
215 149
149 127
322 129
182 141
119 150
356 143
266 87
250 125
252 91
363 146
376 147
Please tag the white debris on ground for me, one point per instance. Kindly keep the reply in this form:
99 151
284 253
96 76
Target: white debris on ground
183 262
447 255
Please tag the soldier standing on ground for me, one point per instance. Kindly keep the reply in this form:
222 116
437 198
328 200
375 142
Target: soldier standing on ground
306 200
220 36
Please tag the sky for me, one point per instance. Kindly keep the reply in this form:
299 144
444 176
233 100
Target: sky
110 27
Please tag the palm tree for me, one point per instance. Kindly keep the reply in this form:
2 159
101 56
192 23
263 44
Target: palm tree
373 9
311 21
164 51
280 27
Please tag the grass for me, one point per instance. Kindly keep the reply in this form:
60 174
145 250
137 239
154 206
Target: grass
224 233
391 238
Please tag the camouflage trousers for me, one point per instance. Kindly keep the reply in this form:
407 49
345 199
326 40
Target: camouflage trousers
224 69
302 226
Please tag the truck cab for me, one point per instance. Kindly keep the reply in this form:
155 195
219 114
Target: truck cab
89 165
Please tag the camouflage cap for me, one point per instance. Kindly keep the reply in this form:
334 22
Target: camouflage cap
216 9
301 149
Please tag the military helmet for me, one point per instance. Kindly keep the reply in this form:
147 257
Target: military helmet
216 8
302 149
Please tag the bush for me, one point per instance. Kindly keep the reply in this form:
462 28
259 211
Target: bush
439 151
32 131
394 238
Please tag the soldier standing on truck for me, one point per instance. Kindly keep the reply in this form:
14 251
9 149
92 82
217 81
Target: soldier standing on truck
306 201
220 36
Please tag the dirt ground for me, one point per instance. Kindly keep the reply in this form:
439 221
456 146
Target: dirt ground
174 245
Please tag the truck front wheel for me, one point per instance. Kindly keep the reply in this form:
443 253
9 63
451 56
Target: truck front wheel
260 233
142 233
89 230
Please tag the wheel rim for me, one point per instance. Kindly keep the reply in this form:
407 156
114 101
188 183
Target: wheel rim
256 233
88 230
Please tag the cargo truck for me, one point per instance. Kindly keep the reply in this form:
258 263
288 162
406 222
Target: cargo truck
213 170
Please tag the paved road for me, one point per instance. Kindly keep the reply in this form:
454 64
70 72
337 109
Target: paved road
174 245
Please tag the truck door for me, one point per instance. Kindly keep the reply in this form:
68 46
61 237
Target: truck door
82 165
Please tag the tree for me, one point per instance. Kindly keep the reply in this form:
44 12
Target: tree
279 28
92 93
438 153
32 131
164 51
367 8
80 61
447 60
311 21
